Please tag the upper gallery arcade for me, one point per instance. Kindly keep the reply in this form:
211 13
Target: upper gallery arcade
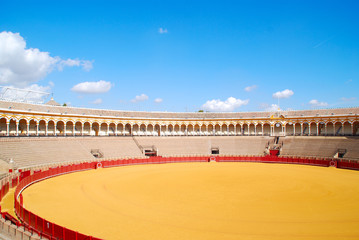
24 119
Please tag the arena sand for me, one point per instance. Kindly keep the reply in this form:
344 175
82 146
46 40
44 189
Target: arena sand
203 201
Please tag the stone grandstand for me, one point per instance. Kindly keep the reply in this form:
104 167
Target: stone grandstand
42 134
22 152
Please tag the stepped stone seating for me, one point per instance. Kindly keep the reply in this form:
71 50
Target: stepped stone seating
35 151
111 147
27 152
320 146
170 146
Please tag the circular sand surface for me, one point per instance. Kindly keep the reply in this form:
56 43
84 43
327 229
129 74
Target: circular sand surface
203 201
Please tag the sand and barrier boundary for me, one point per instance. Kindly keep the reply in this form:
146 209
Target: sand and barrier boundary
38 226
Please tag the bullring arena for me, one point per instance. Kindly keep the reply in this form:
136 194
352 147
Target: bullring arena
76 173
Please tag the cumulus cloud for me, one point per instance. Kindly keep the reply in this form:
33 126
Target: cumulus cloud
162 30
97 101
283 94
269 108
316 103
158 100
140 98
250 88
21 66
85 64
92 87
228 105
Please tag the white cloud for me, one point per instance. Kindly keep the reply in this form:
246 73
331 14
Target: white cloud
344 99
269 108
283 94
92 87
250 88
21 66
162 30
140 98
85 64
316 103
230 104
97 101
158 100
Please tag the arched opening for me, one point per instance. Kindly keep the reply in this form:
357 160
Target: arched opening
266 129
42 127
305 130
60 128
170 130
330 129
12 127
197 130
3 127
355 128
289 129
313 129
120 129
176 129
142 130
150 130
251 129
112 129
238 129
224 129
231 129
245 129
33 127
163 130
157 130
190 130
321 128
103 129
51 128
297 129
135 130
259 129
338 128
87 129
95 129
210 129
183 129
278 129
217 130
69 128
78 128
22 127
204 130
347 129
128 130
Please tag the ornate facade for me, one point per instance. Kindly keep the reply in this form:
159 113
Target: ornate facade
22 119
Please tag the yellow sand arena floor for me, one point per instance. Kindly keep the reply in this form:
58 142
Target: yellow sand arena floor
203 201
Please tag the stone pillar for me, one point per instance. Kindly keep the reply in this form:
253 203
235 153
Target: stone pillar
17 128
7 128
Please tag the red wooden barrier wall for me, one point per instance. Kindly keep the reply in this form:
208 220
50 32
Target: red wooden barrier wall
54 231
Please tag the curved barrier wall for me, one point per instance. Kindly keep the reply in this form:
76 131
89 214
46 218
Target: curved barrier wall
53 231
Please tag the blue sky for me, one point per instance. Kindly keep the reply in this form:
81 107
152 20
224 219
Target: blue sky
184 55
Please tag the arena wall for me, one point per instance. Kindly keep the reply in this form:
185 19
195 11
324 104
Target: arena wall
37 226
